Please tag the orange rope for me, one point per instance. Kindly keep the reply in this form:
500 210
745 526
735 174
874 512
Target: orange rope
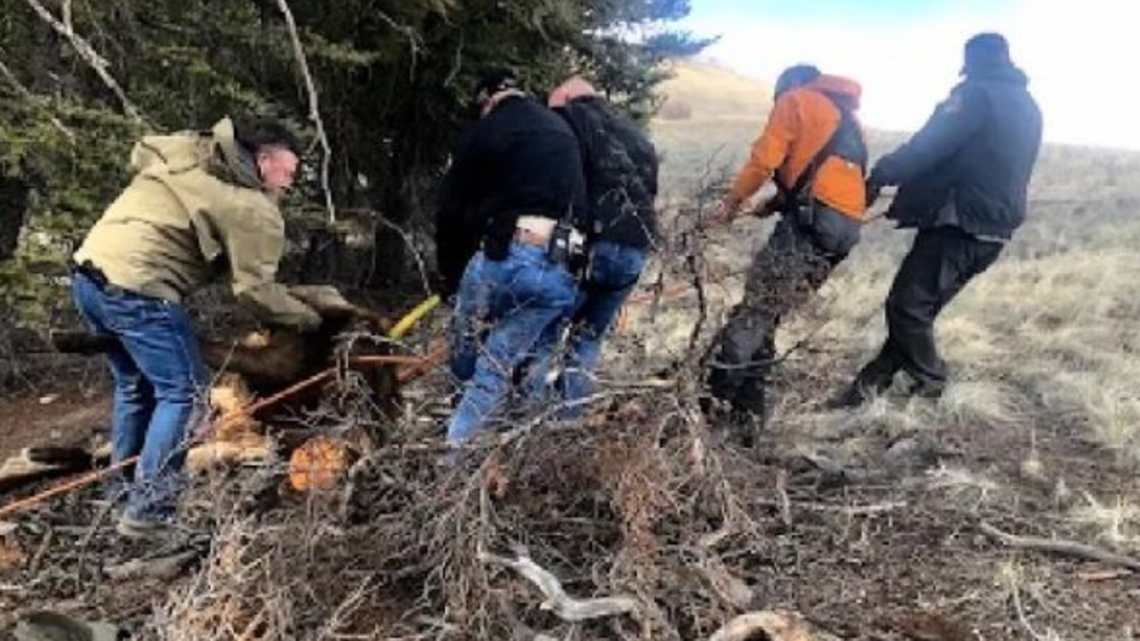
412 362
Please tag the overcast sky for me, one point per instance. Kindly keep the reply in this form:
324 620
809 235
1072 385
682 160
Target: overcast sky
907 53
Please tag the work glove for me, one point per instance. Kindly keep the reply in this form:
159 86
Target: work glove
874 189
322 298
723 212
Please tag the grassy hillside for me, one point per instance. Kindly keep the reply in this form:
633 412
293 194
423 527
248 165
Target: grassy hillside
722 113
713 92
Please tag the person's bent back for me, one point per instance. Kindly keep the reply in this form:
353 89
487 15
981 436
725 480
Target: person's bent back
198 209
202 205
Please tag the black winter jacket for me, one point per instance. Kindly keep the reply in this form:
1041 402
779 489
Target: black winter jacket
970 165
520 159
620 165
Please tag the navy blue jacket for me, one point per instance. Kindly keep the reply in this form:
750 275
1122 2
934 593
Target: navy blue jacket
970 165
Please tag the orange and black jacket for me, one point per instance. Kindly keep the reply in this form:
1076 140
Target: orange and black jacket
801 124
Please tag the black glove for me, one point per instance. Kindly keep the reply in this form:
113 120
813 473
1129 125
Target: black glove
873 188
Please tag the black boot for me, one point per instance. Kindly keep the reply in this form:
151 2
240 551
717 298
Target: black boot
859 392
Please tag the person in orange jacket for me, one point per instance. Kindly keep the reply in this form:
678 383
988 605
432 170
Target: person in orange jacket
814 148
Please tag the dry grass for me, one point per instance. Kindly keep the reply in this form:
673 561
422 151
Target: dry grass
1048 337
712 92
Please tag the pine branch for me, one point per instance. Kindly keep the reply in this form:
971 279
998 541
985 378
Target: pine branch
314 107
97 62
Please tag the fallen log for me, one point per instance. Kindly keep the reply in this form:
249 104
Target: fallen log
38 463
770 626
1059 547
202 458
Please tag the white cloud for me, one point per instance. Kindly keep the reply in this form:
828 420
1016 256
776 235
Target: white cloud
1073 53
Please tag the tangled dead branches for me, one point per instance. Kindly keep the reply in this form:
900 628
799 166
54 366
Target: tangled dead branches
621 526
631 523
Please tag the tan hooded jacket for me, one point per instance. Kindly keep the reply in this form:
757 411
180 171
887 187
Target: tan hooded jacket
195 210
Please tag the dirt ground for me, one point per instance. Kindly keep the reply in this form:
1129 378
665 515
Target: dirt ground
890 553
67 418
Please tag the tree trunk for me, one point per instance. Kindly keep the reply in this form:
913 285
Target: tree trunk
13 213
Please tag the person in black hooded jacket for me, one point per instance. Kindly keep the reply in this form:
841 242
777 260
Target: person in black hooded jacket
963 182
513 181
620 167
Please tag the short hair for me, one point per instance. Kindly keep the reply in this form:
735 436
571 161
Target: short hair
984 51
795 76
494 81
254 134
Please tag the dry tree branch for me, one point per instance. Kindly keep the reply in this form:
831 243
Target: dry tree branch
1059 546
415 43
557 601
29 96
314 107
97 62
406 236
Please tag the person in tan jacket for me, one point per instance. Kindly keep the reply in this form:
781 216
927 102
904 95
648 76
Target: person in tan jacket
814 148
201 206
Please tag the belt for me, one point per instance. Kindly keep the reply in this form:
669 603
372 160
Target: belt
88 269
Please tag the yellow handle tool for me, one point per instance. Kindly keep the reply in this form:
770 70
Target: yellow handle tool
416 315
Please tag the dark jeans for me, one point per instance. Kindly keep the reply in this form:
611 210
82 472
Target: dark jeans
160 385
938 266
614 271
801 253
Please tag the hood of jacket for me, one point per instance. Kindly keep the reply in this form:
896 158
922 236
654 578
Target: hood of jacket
216 151
845 91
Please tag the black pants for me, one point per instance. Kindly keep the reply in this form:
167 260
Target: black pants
802 252
938 266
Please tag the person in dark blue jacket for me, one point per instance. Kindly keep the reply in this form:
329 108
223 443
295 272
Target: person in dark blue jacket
963 181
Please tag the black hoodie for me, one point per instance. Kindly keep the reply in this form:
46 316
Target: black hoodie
521 159
970 165
620 165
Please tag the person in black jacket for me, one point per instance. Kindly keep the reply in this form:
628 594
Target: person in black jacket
963 183
514 176
620 165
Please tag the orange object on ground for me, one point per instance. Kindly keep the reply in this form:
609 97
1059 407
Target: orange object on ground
319 464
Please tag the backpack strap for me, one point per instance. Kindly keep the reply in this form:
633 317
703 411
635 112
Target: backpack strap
845 142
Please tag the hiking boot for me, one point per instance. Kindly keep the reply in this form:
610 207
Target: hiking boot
929 390
133 527
746 426
856 395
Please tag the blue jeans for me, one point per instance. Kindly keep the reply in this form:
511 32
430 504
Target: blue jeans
614 272
502 315
160 385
